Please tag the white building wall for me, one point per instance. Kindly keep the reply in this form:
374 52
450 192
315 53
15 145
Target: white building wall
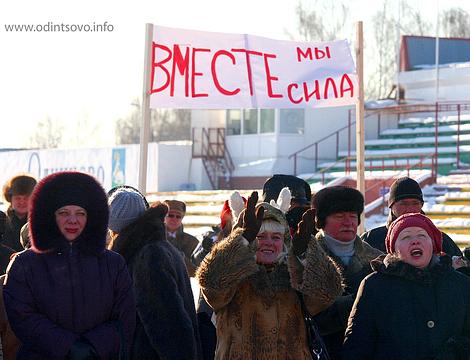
170 167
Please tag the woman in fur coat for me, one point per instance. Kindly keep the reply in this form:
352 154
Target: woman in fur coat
166 316
251 285
67 296
415 305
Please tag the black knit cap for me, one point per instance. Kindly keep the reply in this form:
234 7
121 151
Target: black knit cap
334 199
404 188
299 188
62 189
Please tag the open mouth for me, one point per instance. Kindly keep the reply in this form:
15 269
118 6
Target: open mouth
416 252
266 251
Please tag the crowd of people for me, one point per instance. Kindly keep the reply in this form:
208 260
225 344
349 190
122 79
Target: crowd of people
96 275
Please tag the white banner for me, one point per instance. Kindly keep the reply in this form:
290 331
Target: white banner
205 70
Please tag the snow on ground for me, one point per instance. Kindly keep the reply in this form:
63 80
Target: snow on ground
415 151
432 119
425 130
418 140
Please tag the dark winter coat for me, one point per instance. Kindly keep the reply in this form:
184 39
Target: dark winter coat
333 321
185 243
258 312
376 239
402 312
166 317
11 238
57 291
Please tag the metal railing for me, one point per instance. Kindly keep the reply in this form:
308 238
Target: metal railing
437 109
418 163
216 158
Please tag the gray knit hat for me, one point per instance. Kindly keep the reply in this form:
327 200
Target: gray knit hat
125 206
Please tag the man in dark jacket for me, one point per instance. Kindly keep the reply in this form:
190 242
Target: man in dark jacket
17 192
405 197
184 242
338 213
166 317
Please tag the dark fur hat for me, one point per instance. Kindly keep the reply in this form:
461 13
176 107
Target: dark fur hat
299 188
335 199
68 188
18 185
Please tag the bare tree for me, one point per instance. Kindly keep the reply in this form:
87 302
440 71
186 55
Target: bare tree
323 22
455 22
384 49
47 134
165 124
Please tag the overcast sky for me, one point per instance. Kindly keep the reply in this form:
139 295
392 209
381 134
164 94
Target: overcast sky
90 79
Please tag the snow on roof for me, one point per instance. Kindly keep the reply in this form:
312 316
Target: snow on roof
379 104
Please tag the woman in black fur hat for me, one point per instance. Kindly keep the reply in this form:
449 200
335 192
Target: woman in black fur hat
67 296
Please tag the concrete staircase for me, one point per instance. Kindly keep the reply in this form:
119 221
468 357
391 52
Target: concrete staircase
412 144
450 207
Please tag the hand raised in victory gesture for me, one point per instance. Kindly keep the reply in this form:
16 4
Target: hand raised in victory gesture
252 220
305 230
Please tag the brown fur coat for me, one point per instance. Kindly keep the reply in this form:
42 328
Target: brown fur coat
258 312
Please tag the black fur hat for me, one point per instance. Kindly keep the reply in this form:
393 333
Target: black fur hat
68 188
299 188
335 199
18 185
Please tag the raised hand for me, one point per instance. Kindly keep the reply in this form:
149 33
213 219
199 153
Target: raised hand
305 230
252 220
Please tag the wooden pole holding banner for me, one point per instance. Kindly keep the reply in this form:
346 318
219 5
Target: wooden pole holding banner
145 124
360 179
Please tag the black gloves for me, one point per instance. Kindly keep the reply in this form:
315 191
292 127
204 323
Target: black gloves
305 230
251 222
82 350
208 241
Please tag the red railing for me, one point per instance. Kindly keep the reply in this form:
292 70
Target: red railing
209 144
436 109
336 134
410 164
419 165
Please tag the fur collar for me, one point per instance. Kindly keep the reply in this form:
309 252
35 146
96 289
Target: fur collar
148 228
268 283
392 265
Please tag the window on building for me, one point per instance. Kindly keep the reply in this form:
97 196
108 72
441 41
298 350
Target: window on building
254 121
266 121
292 121
233 122
250 121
